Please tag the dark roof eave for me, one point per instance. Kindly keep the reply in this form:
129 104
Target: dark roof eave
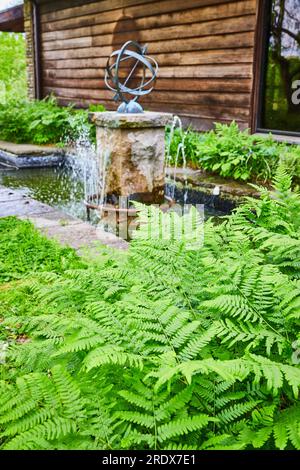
12 20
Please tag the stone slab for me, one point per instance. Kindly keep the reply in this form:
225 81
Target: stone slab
29 156
52 219
227 187
56 224
21 207
30 161
7 194
115 120
83 235
29 149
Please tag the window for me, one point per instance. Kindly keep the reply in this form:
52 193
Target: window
280 106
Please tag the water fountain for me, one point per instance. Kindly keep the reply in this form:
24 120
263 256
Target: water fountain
171 170
130 141
129 162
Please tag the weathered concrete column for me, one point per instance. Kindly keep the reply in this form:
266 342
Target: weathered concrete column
136 146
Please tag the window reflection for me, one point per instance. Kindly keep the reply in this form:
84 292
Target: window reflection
282 82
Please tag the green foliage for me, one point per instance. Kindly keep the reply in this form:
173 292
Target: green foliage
231 152
169 346
24 250
177 137
236 154
37 122
96 108
290 158
44 122
13 83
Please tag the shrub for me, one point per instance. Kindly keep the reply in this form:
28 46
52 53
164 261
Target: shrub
166 347
236 154
13 83
190 141
43 122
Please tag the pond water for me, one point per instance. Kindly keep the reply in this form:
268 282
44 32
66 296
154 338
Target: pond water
61 188
53 186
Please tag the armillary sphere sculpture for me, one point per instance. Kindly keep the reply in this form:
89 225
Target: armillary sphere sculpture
130 51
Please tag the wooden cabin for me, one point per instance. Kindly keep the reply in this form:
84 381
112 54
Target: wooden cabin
219 60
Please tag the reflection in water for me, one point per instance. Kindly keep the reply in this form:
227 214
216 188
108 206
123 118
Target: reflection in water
281 108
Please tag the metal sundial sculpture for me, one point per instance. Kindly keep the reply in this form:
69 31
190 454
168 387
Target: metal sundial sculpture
130 50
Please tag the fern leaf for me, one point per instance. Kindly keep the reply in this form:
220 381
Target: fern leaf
183 426
111 354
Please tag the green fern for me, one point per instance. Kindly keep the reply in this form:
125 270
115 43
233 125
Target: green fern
173 345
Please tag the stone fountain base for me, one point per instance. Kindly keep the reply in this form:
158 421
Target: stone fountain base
136 145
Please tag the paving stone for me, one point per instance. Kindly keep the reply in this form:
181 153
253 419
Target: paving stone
21 207
7 195
29 149
56 224
55 218
83 235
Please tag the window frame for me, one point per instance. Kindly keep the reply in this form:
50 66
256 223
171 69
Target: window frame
262 36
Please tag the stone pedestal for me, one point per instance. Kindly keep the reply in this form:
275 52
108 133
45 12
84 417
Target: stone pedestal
131 149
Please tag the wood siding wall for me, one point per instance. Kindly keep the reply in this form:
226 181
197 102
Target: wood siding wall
204 49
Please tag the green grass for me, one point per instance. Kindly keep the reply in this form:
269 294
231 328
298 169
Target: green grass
23 250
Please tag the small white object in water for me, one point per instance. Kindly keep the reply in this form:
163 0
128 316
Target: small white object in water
216 191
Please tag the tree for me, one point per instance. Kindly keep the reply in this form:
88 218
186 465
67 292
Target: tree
12 66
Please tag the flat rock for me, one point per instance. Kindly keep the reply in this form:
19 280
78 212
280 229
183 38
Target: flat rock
29 156
83 235
29 149
10 160
55 218
207 182
23 206
55 224
115 120
7 194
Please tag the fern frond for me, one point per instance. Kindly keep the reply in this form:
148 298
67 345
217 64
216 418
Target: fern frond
111 354
183 426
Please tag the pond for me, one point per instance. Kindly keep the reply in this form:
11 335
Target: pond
54 186
63 189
